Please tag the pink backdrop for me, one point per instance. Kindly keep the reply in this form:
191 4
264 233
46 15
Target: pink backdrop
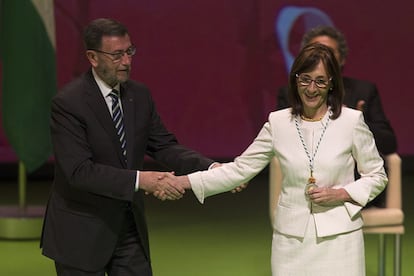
214 66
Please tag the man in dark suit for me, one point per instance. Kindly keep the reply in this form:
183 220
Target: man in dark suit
94 222
359 94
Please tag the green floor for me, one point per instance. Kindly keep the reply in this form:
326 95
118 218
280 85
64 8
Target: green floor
228 235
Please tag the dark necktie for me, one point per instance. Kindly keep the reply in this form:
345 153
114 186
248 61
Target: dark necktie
117 117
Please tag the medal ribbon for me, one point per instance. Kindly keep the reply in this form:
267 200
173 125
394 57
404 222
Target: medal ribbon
311 158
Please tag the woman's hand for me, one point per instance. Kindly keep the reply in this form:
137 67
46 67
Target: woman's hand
328 196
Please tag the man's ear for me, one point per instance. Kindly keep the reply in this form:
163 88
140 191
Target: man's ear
92 57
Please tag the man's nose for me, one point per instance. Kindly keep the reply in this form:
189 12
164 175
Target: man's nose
126 59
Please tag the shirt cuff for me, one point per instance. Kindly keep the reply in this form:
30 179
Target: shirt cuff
137 182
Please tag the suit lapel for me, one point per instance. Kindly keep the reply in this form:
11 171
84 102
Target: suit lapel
128 107
98 106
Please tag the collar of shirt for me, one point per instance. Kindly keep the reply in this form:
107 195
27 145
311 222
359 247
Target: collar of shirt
105 90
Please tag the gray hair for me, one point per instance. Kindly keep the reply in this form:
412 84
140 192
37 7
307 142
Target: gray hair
331 32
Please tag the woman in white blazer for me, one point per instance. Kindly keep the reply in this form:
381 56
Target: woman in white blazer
318 143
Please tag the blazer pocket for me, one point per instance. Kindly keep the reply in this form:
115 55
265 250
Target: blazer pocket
291 220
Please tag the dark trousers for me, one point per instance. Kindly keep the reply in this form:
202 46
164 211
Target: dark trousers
128 258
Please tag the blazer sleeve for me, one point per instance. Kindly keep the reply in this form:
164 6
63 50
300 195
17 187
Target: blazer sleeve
233 174
370 166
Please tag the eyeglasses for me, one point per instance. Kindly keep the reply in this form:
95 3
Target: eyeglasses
306 81
117 56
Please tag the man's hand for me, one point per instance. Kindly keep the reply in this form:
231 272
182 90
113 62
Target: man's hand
240 188
161 184
360 105
181 182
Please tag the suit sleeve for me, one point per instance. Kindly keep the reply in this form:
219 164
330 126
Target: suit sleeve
378 123
75 159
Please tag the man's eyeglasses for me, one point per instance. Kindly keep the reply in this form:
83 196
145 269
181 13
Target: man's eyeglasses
306 81
117 56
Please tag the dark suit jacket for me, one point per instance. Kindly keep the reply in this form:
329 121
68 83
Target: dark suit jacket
93 184
355 91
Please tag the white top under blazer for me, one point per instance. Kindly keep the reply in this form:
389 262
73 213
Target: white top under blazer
347 141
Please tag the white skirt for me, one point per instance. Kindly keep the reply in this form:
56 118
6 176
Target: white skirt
339 255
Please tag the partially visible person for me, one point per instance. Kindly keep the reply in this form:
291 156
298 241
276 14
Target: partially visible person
102 126
318 227
359 94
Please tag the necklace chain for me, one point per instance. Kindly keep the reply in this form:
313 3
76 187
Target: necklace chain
311 158
310 119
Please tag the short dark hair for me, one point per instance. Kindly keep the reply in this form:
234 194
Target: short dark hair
307 60
331 32
100 27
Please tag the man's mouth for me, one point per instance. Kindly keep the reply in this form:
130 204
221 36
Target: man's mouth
123 70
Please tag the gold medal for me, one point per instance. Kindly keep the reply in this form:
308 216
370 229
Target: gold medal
311 184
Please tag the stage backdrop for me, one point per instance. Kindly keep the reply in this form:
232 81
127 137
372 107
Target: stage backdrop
214 66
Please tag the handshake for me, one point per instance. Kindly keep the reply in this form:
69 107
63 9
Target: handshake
163 185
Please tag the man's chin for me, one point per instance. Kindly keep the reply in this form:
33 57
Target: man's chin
122 79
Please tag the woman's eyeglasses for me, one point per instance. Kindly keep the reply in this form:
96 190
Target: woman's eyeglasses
306 81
